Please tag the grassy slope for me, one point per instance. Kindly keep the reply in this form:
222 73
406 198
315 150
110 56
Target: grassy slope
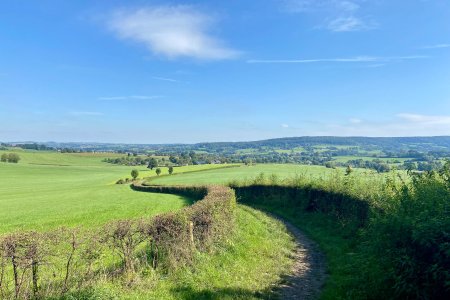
49 189
224 176
221 176
247 267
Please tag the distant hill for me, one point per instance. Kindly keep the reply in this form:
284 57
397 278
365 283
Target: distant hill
395 144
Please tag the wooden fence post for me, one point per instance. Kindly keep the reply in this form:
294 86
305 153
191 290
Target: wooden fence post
191 232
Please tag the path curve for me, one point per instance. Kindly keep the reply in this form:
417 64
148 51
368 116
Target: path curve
309 270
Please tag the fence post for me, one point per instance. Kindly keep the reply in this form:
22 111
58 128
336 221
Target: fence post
191 232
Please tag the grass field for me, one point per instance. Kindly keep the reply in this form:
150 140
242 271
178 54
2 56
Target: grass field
223 176
50 189
368 158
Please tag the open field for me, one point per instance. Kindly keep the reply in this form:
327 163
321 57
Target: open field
223 176
370 158
50 189
42 196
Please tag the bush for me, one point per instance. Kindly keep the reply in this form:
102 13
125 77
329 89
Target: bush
411 241
399 229
10 157
66 263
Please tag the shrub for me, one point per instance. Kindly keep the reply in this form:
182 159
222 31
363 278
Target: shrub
134 174
65 263
410 242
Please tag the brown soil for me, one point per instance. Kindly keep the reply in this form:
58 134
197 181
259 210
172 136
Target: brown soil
308 273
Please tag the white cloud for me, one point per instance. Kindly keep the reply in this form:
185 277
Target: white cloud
164 79
335 15
132 97
171 31
350 23
296 6
437 46
285 125
356 59
425 119
402 124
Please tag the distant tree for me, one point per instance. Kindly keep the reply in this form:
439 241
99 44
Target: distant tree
170 170
158 171
4 157
173 159
348 171
152 163
13 157
134 173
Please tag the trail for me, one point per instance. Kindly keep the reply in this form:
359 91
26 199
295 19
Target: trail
308 273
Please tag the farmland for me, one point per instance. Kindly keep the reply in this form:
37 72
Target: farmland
46 190
49 189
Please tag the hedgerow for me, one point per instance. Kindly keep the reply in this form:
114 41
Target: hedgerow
399 228
37 265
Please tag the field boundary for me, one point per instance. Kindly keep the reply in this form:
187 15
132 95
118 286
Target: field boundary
53 263
147 180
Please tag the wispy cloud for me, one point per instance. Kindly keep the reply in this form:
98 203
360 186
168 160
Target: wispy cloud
285 125
425 119
356 59
334 15
133 97
165 79
401 124
85 113
349 23
355 120
437 46
171 31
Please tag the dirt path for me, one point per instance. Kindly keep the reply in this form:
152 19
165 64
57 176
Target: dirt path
309 270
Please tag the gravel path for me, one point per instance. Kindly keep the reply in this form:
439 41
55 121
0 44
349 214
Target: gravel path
309 270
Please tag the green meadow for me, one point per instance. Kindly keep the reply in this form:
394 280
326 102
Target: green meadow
50 189
244 173
46 190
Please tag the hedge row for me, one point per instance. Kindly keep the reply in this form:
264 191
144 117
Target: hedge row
343 207
400 235
36 265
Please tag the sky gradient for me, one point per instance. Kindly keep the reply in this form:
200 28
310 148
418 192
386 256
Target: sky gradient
197 71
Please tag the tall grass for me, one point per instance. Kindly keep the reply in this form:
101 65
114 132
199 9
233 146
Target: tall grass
386 238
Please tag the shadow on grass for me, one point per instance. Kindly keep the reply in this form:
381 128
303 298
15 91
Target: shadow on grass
188 293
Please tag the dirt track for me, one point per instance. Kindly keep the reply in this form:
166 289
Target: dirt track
309 270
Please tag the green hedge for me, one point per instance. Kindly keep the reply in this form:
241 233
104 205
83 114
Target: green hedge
400 236
309 199
50 264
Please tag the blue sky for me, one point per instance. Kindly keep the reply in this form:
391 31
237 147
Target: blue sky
191 71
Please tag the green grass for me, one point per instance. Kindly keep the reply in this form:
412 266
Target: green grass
188 169
368 158
48 189
61 159
248 266
338 246
224 176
